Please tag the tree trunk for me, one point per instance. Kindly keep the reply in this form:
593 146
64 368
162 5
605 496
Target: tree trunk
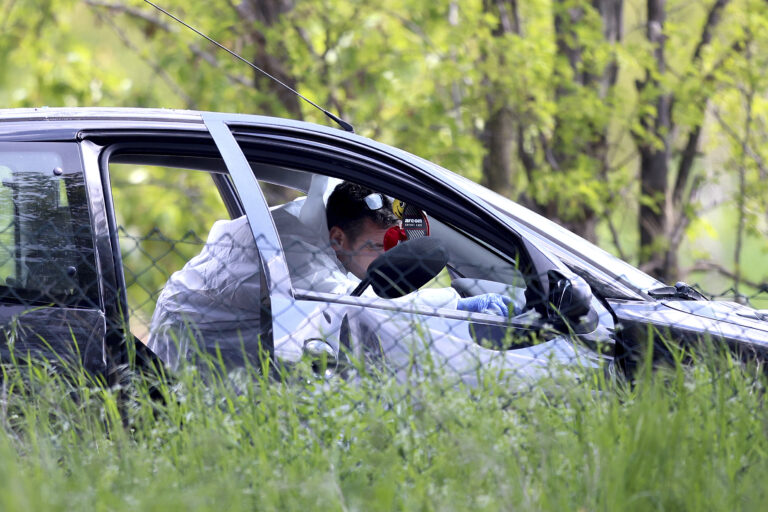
653 216
272 59
656 255
562 155
498 136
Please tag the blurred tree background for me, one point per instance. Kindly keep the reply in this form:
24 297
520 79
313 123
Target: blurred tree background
639 124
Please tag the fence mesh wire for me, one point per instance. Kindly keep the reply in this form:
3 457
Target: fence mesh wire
403 337
221 292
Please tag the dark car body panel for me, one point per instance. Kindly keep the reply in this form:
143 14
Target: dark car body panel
629 313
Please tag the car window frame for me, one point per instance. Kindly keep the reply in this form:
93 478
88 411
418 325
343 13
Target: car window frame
254 204
151 145
249 141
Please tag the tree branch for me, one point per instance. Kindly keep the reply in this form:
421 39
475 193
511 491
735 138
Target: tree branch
686 165
713 19
653 263
632 155
612 13
131 11
506 24
517 27
615 236
415 29
683 221
689 153
307 41
549 154
747 148
162 73
213 61
741 200
711 266
194 48
529 163
7 15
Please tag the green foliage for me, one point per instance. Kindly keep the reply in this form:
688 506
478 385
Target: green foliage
164 216
682 439
428 77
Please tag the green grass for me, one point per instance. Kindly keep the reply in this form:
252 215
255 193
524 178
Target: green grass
684 439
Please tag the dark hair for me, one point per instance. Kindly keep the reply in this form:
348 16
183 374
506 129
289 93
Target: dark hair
346 209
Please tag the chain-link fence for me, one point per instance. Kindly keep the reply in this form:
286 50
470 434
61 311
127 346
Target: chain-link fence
451 302
415 313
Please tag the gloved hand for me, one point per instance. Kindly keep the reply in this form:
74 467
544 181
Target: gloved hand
489 303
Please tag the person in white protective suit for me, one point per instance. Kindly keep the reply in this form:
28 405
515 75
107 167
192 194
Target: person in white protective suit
403 339
215 300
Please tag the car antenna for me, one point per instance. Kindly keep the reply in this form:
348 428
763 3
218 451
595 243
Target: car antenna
345 125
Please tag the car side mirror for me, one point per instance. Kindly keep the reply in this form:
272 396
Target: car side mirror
570 298
405 268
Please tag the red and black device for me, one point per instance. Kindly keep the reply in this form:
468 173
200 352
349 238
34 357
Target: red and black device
415 224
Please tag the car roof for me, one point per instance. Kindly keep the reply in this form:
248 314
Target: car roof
63 124
97 113
66 123
130 117
20 124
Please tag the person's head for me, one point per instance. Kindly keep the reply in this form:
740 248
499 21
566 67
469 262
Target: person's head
357 220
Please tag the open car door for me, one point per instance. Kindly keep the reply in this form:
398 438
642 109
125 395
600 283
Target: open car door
402 334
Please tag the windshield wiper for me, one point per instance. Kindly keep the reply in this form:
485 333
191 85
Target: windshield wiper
681 290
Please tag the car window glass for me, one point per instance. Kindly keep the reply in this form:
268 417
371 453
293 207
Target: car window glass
316 267
163 216
277 195
556 234
46 241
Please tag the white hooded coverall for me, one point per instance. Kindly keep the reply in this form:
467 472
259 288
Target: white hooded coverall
215 299
215 302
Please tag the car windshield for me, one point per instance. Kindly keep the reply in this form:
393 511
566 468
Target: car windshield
555 233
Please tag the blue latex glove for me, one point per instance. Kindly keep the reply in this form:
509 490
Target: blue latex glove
489 303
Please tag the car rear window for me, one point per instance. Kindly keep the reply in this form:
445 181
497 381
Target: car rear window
46 242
